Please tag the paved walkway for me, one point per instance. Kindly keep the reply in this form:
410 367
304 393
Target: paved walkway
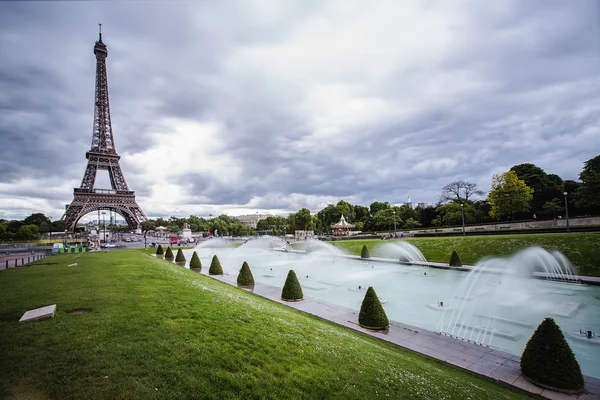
486 361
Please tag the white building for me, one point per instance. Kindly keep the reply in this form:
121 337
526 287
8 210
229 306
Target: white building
252 219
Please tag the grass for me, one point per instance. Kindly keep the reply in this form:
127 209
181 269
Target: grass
582 249
156 330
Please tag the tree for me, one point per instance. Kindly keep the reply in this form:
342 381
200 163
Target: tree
159 251
195 263
455 260
362 213
377 206
3 232
180 258
460 191
215 266
169 254
545 186
553 206
588 194
509 195
245 277
384 219
365 252
411 223
548 359
148 226
292 291
302 220
37 219
372 315
451 213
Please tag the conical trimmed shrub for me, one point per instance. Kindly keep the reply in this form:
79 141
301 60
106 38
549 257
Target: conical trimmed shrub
245 277
180 258
195 263
292 291
365 252
549 361
160 252
169 254
215 266
455 260
372 315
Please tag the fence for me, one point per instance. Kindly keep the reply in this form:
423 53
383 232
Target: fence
18 261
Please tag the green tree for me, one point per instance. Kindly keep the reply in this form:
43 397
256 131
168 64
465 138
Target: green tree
245 277
37 219
361 213
377 206
509 195
411 223
180 258
548 359
588 194
292 291
546 187
455 260
169 254
160 251
553 207
215 266
384 219
302 220
372 315
148 225
451 213
195 263
365 252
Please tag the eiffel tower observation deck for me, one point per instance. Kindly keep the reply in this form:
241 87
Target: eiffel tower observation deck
103 156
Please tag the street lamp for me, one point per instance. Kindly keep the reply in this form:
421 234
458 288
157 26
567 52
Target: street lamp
394 223
103 227
462 212
567 211
50 230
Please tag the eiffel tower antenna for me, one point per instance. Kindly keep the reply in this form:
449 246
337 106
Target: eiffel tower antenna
103 156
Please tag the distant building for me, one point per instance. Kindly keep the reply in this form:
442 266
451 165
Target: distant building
423 205
252 219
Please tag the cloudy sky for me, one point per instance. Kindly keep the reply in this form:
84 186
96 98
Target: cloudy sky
245 106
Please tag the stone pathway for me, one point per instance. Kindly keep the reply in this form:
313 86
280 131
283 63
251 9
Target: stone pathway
486 361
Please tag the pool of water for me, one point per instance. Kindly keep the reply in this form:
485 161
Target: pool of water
497 310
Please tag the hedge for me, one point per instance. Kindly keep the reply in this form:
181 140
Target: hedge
372 315
245 277
179 258
365 252
215 266
169 254
548 360
292 290
195 262
455 260
159 250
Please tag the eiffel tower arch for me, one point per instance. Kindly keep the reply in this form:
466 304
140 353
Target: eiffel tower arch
103 156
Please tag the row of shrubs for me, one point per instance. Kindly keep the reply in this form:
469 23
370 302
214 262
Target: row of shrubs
547 359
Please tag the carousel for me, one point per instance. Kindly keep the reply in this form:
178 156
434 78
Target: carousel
342 228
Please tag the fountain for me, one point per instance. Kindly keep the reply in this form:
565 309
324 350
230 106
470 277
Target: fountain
497 304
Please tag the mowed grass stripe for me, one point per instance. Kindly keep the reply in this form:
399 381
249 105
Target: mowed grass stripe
582 249
157 330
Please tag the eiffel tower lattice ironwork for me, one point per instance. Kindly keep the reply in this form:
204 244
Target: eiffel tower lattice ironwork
103 156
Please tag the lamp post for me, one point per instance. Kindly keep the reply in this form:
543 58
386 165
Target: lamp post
394 223
50 230
103 227
462 212
567 211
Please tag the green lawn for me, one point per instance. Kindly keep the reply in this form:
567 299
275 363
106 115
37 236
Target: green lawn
582 249
155 330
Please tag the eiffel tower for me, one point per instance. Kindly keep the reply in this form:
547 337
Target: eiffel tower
103 156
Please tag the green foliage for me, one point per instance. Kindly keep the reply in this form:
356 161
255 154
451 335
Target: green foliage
411 223
372 315
159 250
377 206
37 219
179 257
245 277
28 232
215 266
451 213
553 206
509 195
169 254
455 260
195 262
364 253
292 289
548 359
588 194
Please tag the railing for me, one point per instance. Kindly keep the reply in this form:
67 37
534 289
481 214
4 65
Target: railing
105 191
20 261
